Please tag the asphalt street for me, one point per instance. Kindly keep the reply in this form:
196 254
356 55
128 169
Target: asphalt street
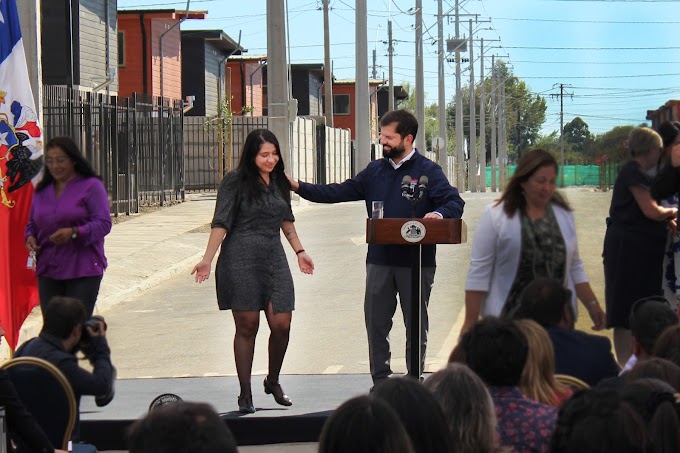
175 329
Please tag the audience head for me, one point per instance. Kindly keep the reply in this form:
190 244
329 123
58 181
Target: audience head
64 318
670 133
657 403
182 426
656 368
644 141
649 317
468 408
496 350
419 412
364 425
595 421
538 378
667 346
548 302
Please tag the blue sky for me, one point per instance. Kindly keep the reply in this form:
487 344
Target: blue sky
625 56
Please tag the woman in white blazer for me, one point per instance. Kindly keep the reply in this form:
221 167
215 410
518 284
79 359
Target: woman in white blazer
528 233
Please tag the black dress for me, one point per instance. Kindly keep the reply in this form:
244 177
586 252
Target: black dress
633 249
252 268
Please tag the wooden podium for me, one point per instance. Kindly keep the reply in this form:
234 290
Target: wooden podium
415 233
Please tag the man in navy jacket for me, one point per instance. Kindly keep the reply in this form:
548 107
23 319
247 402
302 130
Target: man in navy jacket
388 266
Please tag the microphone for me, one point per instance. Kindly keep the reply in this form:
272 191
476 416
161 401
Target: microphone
406 187
422 186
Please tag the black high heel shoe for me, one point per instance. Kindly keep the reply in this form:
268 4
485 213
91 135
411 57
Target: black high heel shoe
245 404
276 390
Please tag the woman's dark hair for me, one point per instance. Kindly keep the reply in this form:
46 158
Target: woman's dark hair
667 346
656 402
249 175
364 425
669 131
513 197
595 421
69 147
656 368
419 412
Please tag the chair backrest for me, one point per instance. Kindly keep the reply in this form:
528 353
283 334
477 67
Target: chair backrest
572 382
47 394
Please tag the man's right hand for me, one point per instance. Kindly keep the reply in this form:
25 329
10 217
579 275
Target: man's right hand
294 184
101 331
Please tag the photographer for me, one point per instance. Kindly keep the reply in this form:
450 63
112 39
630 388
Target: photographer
66 330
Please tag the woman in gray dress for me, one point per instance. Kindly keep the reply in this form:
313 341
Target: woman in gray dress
252 272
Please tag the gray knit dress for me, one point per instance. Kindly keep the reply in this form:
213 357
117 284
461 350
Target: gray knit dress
252 268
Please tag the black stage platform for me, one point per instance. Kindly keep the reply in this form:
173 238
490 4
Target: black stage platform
314 398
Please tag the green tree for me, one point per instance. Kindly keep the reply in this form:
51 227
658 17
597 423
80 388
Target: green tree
611 144
578 136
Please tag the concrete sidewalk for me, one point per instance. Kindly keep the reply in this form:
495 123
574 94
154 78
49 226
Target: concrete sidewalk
144 251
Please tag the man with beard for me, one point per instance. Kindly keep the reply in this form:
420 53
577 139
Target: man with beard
388 267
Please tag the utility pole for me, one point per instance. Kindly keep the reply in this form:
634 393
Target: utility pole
327 73
441 99
390 51
460 161
375 69
472 168
420 83
361 96
494 161
482 120
277 77
504 136
561 96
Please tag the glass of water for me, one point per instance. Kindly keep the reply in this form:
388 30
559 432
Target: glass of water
378 209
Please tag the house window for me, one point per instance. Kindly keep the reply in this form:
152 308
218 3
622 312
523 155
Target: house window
341 104
121 49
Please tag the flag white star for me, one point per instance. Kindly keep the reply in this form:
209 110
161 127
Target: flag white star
3 139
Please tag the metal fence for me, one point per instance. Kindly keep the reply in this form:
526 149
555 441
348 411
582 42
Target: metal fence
320 154
134 143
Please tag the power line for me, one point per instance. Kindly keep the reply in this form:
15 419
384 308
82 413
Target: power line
594 48
589 21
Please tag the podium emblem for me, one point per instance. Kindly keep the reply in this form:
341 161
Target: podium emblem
413 231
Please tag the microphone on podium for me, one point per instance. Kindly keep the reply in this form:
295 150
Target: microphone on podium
422 187
406 187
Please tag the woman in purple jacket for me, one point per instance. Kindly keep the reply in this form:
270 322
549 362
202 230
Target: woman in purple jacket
68 222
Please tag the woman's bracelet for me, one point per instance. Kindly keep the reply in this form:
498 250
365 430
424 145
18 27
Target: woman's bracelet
299 251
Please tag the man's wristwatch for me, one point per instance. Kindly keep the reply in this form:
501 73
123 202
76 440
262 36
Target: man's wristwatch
74 233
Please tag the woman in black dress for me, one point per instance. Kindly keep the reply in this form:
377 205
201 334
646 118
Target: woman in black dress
635 239
252 272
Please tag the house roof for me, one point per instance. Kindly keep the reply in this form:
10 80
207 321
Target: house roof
315 68
353 82
218 38
399 92
247 58
167 13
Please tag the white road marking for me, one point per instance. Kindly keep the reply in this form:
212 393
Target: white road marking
333 369
442 357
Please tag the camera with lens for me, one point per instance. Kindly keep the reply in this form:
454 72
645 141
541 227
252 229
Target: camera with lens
93 324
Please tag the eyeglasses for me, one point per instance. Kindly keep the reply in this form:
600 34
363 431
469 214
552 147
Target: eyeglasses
57 160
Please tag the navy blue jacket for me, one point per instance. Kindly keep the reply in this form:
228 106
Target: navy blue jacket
380 182
82 382
587 357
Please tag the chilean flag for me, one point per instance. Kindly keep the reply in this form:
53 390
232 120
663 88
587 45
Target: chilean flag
20 164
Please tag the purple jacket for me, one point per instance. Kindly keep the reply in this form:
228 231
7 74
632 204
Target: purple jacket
83 204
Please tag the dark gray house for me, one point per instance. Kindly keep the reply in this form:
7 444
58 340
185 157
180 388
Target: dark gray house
204 57
384 95
307 81
79 43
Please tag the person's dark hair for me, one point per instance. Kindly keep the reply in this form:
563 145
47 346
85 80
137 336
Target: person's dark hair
407 124
418 411
249 175
595 421
667 346
468 409
669 131
69 147
656 402
649 317
62 315
182 426
656 368
364 425
496 350
543 301
512 197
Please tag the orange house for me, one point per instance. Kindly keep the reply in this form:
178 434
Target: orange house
139 51
248 89
670 111
344 109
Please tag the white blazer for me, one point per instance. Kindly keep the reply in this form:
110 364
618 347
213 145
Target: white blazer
496 250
